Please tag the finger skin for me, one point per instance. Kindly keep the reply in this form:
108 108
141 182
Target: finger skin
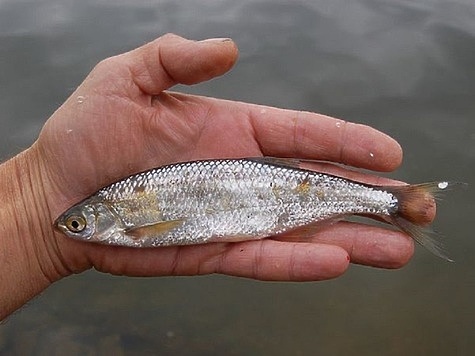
112 115
287 133
369 245
314 135
120 121
263 260
323 256
171 60
149 132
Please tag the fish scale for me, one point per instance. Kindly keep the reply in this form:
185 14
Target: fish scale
234 200
237 199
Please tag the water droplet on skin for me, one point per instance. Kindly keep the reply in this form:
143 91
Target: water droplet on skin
371 154
68 131
81 99
338 124
443 185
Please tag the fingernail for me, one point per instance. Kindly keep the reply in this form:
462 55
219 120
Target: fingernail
217 40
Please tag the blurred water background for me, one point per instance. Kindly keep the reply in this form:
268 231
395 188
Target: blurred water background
404 67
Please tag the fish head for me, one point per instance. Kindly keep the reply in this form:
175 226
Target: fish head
89 221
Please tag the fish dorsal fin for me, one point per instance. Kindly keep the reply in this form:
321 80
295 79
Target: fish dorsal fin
277 161
333 169
152 230
297 163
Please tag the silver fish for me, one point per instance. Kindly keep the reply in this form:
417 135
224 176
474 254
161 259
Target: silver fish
238 199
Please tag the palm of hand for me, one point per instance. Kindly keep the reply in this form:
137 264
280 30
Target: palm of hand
120 121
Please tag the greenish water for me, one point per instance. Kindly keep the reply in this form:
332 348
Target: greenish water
406 68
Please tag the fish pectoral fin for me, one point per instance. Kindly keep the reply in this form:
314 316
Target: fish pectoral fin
151 230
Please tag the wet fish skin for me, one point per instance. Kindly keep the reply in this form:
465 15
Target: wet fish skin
232 200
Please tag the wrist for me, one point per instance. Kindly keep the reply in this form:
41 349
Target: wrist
30 262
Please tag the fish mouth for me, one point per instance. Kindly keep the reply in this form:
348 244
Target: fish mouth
58 226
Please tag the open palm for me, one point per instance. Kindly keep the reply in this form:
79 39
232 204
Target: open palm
121 121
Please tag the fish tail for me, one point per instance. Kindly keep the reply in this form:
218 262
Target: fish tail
416 208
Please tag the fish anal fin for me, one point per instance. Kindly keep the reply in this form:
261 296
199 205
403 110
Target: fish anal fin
305 232
232 238
151 230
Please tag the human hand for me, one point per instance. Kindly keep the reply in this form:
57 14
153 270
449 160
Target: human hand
121 121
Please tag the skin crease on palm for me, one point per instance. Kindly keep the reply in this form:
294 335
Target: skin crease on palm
122 120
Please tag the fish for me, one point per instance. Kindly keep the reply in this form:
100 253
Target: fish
229 200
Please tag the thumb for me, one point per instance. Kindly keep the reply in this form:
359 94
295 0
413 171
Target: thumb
172 59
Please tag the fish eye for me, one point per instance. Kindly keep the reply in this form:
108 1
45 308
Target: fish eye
75 223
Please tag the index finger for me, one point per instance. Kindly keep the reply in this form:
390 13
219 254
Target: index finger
288 133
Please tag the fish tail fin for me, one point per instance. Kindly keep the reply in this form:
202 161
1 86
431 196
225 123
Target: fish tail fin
416 208
424 236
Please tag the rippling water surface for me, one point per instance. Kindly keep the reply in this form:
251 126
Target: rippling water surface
404 67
